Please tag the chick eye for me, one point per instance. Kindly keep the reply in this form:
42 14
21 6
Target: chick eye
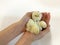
36 15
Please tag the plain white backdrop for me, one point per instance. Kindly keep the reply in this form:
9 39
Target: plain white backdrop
13 10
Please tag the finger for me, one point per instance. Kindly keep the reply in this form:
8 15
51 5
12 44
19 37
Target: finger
29 14
43 33
43 16
24 20
46 30
46 17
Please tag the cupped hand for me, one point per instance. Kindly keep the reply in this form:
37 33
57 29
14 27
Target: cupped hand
46 18
22 23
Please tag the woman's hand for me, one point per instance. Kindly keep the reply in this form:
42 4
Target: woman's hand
14 30
46 18
28 37
23 21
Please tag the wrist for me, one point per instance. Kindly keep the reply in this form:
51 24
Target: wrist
29 36
20 26
26 39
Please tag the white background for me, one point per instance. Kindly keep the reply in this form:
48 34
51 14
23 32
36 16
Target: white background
13 10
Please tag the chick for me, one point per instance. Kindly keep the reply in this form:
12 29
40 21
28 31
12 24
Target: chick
35 25
43 24
36 16
32 27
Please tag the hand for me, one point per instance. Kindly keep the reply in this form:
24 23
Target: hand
46 18
27 37
23 21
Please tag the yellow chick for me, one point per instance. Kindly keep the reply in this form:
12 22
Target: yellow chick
43 24
32 27
35 25
36 16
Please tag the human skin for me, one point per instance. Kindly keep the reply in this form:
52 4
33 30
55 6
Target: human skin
14 29
17 28
27 38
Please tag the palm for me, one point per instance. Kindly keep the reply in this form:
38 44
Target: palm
46 18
